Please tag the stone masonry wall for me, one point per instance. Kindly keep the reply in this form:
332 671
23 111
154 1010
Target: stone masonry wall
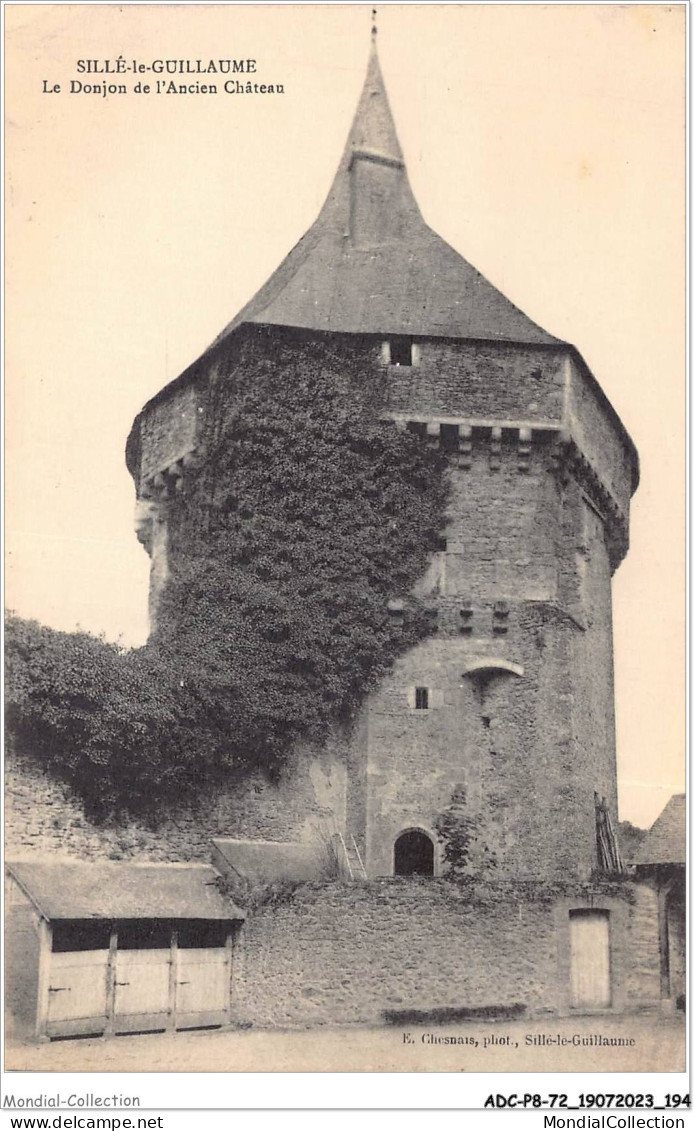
524 579
677 942
22 950
643 972
508 740
338 953
480 379
504 529
591 660
169 430
44 817
485 381
598 435
345 953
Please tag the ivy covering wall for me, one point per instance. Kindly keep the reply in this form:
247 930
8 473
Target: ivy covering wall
306 516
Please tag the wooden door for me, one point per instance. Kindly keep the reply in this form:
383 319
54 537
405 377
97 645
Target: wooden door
203 986
77 993
152 975
142 992
590 959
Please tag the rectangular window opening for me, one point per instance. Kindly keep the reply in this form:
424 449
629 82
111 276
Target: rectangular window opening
421 698
400 351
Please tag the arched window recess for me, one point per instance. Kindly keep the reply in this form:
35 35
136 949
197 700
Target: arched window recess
481 671
488 666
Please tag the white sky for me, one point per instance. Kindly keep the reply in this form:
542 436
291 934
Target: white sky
546 144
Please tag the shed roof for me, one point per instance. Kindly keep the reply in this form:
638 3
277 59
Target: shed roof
123 891
370 264
665 840
266 861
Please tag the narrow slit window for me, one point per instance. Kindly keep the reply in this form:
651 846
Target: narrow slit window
421 698
400 352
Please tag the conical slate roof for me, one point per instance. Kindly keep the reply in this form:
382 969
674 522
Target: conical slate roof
370 264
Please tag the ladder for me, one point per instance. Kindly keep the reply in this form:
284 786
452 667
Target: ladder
361 862
347 860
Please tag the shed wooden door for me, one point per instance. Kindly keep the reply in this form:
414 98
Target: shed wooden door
590 959
153 975
142 992
77 993
203 986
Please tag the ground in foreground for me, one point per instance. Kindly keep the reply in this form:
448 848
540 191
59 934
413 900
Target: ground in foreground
514 1046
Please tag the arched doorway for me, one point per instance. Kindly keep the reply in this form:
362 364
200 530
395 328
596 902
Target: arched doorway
414 854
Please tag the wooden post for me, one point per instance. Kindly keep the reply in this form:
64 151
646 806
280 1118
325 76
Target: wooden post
230 971
664 935
173 979
111 982
44 975
663 944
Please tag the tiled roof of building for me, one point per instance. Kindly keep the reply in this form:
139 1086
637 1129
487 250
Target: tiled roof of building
123 891
370 264
665 840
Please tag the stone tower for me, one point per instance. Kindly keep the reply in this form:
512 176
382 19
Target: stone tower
513 695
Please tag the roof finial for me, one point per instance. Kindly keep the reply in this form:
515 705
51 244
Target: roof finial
374 29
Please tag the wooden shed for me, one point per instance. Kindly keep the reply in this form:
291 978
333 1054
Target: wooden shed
117 948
